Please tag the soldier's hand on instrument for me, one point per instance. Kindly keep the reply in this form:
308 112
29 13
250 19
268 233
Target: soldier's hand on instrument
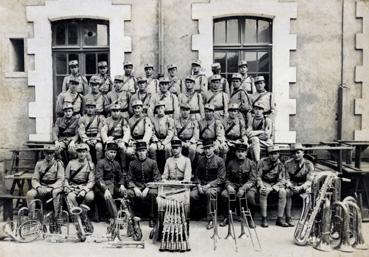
138 192
145 192
107 195
240 193
82 194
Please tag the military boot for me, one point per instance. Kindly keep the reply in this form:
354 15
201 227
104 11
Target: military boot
264 222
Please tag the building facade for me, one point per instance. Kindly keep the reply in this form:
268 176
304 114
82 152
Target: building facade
314 55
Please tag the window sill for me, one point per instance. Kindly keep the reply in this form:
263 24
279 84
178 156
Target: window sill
16 74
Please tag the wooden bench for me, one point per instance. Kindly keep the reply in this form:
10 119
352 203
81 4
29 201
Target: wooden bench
7 202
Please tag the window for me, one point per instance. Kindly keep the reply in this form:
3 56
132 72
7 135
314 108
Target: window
84 40
244 38
17 54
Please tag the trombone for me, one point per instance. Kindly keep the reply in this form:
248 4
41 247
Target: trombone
245 217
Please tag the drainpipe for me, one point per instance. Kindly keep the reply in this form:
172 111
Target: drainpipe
161 35
342 86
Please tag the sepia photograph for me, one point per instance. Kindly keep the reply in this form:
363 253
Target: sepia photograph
189 127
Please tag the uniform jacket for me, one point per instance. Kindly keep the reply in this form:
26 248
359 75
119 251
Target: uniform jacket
76 99
195 101
118 129
177 169
171 104
162 129
50 174
99 99
66 128
241 97
80 174
187 129
211 130
141 128
145 98
235 129
220 101
210 171
266 98
241 174
271 172
109 175
106 83
82 88
299 174
142 172
90 126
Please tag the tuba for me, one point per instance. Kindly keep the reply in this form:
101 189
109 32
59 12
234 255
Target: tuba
343 215
76 218
310 210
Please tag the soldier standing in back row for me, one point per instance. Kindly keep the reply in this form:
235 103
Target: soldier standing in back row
129 81
224 86
263 96
201 82
152 83
247 82
217 98
47 180
193 99
141 95
118 96
71 96
95 95
271 179
106 84
82 84
239 95
175 83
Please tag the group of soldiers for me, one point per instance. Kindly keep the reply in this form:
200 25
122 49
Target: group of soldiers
108 134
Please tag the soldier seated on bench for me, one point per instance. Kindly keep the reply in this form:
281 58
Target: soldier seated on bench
47 180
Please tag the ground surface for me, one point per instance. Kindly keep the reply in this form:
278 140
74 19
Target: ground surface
276 241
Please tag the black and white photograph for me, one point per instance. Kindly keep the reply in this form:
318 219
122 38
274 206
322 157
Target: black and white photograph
184 127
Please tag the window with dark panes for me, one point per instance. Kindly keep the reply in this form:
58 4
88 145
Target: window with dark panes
244 38
85 40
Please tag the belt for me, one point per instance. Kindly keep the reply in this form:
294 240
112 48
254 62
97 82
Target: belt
193 112
161 137
233 137
184 139
78 183
66 135
48 182
269 180
169 112
137 137
91 134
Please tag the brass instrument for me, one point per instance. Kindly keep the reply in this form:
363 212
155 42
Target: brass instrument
75 213
342 211
324 243
215 235
355 222
303 230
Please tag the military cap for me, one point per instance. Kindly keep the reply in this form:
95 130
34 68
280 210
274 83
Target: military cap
160 103
127 63
296 147
119 78
141 145
148 65
208 143
102 64
95 79
241 146
176 142
215 77
116 107
82 146
67 105
171 66
233 106
136 103
216 65
49 148
196 62
164 80
90 102
111 146
242 63
141 79
73 81
259 105
209 107
73 63
185 105
190 78
258 79
236 76
273 148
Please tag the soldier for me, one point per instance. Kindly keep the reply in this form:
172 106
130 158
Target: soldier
109 179
47 180
140 126
177 167
141 171
263 96
79 182
247 82
175 83
82 84
259 131
118 96
170 100
240 180
116 129
299 176
106 83
234 130
152 83
95 95
201 82
224 86
163 131
271 179
90 125
141 95
65 132
217 98
193 99
210 129
210 175
71 96
240 96
129 81
187 130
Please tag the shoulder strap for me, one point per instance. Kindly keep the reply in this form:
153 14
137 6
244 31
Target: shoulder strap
211 98
230 128
114 126
46 170
90 123
77 171
136 123
270 169
184 126
258 98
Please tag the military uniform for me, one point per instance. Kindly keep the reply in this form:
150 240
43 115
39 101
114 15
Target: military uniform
241 97
220 101
118 96
187 130
247 82
139 174
265 98
106 85
76 99
175 84
145 98
195 101
211 172
82 87
48 175
109 176
129 84
171 104
163 131
99 100
177 168
89 131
